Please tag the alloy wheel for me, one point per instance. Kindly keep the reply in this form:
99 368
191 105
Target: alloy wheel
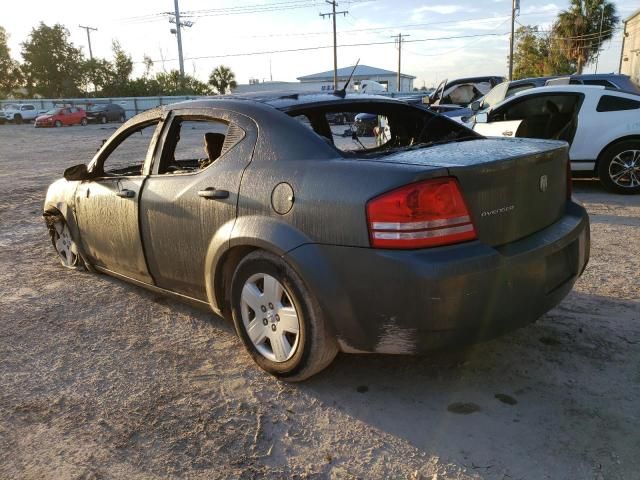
65 246
270 317
624 169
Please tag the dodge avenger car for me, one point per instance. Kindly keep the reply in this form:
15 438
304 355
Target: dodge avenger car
311 243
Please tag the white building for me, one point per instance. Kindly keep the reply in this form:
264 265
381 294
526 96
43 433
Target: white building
323 81
630 54
387 78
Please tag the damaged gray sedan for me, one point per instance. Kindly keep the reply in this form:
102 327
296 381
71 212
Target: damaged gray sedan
424 236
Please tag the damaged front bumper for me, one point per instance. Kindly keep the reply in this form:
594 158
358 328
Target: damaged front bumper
392 301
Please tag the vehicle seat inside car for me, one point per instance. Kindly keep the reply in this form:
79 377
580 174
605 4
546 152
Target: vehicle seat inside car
213 143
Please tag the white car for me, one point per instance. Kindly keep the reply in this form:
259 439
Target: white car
19 113
601 125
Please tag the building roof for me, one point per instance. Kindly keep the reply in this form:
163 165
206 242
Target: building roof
632 16
344 72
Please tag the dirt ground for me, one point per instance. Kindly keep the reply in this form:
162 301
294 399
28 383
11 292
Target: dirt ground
101 379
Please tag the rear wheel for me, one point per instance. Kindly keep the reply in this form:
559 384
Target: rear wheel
278 319
58 123
122 118
619 167
103 120
64 244
83 122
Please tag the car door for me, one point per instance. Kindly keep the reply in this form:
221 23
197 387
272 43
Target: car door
65 116
186 200
107 207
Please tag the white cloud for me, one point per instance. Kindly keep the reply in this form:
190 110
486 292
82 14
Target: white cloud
420 12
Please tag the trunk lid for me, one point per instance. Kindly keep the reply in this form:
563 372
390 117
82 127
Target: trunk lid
512 187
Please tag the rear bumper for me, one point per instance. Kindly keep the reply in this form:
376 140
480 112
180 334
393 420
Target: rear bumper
392 301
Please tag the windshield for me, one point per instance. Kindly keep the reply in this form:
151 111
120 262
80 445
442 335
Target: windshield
53 111
96 108
11 106
496 95
379 128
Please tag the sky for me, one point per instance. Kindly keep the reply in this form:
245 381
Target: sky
222 29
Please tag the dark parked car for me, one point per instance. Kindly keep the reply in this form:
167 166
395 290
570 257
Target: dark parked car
364 123
103 113
509 89
436 237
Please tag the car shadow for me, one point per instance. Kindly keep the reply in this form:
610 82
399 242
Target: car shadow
523 395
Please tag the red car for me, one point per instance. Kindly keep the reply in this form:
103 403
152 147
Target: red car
58 117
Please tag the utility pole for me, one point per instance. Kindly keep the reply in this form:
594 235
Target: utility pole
515 6
333 13
600 36
89 29
399 37
179 37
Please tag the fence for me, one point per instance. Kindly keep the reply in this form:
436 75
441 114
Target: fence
131 105
135 105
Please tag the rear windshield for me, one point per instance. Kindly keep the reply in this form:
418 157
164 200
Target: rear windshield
374 128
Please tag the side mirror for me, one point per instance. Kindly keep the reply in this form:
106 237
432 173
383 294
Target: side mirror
426 100
482 118
77 172
475 106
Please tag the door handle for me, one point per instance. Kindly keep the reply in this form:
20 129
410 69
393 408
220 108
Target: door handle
507 133
213 194
126 193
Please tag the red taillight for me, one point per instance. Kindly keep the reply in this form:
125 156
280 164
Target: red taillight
423 214
569 180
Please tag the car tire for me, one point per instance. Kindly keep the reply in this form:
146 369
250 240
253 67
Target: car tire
615 161
271 285
83 122
103 120
122 118
63 243
57 124
17 119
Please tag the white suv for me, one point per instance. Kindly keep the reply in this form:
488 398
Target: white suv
19 113
601 125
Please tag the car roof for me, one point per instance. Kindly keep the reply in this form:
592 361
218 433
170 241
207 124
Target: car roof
289 100
562 89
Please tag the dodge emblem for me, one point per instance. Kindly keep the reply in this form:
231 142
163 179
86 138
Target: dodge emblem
544 181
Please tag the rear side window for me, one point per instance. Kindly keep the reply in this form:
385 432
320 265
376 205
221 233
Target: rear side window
519 88
603 83
609 103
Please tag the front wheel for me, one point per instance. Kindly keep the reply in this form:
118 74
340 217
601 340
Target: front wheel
17 119
122 118
103 120
64 244
58 124
83 122
278 319
619 167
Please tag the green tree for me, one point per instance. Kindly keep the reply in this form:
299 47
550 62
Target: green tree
53 66
170 84
222 79
10 75
531 52
581 30
538 54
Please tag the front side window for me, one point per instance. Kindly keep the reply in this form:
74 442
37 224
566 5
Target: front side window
128 157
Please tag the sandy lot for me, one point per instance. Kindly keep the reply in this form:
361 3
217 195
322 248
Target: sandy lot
100 379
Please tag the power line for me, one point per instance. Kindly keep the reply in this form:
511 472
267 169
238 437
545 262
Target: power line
304 49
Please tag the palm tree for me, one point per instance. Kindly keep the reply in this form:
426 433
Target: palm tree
222 78
581 30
